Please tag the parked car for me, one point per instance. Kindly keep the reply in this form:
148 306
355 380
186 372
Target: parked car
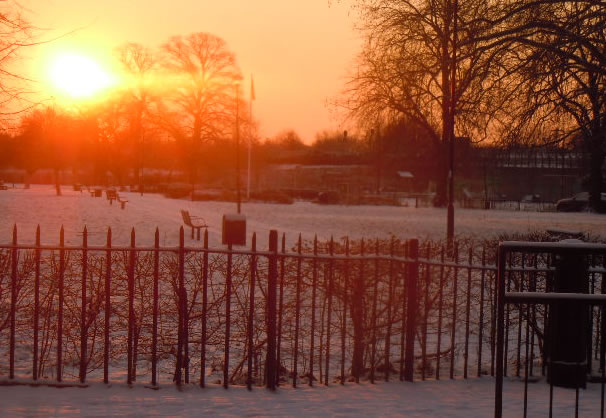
576 203
531 198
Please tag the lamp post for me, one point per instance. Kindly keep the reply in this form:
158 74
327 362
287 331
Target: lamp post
451 122
238 145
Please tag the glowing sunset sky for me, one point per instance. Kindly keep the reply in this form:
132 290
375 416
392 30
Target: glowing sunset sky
298 51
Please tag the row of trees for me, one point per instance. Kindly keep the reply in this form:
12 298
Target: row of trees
183 96
510 71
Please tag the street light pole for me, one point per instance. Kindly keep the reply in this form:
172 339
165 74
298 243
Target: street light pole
238 145
451 150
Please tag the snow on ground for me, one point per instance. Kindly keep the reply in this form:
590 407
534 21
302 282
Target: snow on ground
448 398
73 210
459 398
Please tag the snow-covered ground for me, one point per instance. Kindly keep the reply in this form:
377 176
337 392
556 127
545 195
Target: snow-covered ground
465 398
73 210
449 398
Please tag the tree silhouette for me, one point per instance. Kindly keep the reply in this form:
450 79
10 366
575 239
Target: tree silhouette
197 103
405 68
16 33
561 68
140 64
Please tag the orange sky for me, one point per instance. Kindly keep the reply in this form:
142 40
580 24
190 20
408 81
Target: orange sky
298 51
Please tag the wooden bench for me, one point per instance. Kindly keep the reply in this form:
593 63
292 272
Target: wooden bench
122 201
111 195
189 220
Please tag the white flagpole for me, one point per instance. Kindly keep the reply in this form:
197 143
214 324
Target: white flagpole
252 97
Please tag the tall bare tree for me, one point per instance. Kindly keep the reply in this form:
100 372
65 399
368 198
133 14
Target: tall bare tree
139 63
405 72
201 81
562 73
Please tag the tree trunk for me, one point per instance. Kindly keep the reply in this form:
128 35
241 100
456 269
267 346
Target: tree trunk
595 178
441 198
58 182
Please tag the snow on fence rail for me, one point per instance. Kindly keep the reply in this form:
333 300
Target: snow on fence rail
331 312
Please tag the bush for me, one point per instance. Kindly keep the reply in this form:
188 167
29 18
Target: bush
272 196
178 190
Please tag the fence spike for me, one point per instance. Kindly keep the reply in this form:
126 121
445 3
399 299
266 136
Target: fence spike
60 308
107 305
13 304
154 381
36 304
251 313
131 310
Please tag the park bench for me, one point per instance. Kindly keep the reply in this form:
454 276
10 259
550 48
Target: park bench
95 192
189 220
111 195
122 201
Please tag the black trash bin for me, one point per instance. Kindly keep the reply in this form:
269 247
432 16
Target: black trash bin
569 321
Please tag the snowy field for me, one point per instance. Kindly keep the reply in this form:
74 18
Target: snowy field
449 398
458 398
73 210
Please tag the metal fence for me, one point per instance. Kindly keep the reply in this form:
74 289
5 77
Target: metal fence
319 312
552 295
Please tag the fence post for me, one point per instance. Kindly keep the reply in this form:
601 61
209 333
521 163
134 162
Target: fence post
280 311
412 307
181 261
36 304
228 283
251 312
271 310
297 316
313 311
83 327
344 323
329 309
453 330
13 303
154 381
204 310
108 276
500 322
131 306
373 352
389 303
60 309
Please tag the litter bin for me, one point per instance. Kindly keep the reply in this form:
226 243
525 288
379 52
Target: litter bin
569 323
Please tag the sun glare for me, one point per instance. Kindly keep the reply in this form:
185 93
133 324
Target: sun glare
78 75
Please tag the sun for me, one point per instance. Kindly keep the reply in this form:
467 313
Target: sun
78 76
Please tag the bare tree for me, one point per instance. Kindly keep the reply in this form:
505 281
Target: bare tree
140 64
405 72
562 73
202 76
16 33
